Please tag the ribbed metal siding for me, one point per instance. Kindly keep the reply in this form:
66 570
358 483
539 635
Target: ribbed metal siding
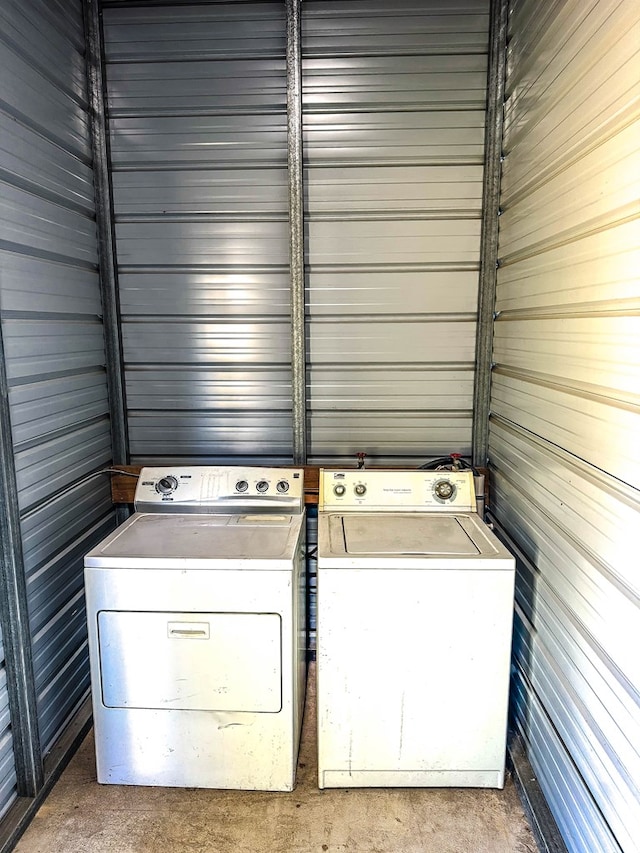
394 109
197 104
565 406
8 790
53 338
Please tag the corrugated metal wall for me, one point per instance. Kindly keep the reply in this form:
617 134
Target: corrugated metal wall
197 105
53 336
394 109
8 784
394 104
565 406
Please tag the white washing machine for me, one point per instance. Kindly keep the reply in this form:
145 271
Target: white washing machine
196 616
415 603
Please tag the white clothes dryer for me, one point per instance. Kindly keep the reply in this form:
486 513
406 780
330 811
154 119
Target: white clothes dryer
415 604
197 634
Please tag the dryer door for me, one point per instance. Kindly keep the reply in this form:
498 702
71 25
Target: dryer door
190 661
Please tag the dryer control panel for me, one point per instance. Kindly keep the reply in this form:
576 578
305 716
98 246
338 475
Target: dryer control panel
405 491
220 488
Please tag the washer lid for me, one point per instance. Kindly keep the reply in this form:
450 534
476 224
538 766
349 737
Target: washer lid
162 538
419 534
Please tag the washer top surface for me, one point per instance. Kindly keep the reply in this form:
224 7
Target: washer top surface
199 541
408 534
382 539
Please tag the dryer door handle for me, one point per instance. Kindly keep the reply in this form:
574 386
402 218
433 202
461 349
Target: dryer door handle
188 630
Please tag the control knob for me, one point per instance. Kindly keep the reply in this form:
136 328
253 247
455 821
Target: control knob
262 486
444 490
339 489
360 489
242 486
282 486
166 485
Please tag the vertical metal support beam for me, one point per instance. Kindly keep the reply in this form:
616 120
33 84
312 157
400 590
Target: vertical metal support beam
14 612
489 235
108 271
296 231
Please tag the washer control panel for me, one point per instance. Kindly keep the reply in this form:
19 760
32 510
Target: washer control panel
222 488
409 491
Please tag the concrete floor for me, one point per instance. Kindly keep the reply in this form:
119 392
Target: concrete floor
81 816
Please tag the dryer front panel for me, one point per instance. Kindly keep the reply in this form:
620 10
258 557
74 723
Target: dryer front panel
191 661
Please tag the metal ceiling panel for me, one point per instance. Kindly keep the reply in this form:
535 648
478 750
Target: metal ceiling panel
175 32
191 89
380 242
33 161
46 228
432 292
389 341
169 144
405 27
47 29
565 406
214 191
425 191
230 294
428 82
223 343
201 241
365 137
31 97
57 287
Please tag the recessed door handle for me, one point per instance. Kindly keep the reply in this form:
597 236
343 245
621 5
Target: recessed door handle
188 630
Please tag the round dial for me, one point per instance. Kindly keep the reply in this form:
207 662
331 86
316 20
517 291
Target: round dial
262 486
166 485
360 489
444 490
339 489
242 486
282 486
